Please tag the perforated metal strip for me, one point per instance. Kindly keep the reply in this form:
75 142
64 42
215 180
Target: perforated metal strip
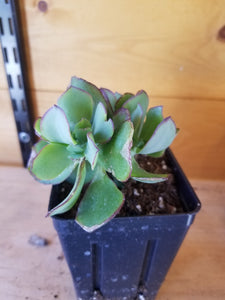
15 72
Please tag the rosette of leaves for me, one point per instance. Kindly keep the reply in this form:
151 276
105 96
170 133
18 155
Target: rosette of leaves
90 138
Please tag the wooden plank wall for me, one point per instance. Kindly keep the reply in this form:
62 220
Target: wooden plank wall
170 48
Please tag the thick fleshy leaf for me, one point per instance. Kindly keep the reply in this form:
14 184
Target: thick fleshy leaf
75 151
153 118
77 104
117 95
136 115
39 146
157 154
91 152
116 156
90 88
162 137
122 115
81 129
136 118
74 194
110 99
37 127
140 98
52 164
35 150
122 99
141 175
55 127
102 129
101 202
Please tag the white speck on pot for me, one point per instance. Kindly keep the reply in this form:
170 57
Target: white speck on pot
84 292
136 193
121 229
114 279
87 253
138 206
145 227
124 277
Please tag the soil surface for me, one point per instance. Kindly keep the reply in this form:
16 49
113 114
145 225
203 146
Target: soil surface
142 198
156 198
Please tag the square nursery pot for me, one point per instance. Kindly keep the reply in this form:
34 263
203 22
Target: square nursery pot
128 258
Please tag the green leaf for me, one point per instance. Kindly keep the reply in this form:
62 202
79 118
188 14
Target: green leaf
153 118
122 99
74 194
55 127
81 129
122 115
52 164
141 175
102 129
90 88
35 150
140 98
162 137
91 152
110 99
77 104
117 95
37 127
136 118
116 156
39 146
157 154
75 151
101 202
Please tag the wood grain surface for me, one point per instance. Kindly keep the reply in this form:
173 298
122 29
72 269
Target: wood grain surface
170 48
173 49
10 153
40 273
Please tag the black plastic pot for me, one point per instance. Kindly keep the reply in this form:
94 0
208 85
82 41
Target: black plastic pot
128 255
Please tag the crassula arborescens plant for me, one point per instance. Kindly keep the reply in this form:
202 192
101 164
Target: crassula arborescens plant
90 138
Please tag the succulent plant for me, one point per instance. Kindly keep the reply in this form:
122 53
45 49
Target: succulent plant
90 138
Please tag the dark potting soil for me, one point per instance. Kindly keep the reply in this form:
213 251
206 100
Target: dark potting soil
142 198
155 198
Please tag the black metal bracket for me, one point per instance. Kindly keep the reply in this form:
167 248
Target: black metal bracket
13 56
